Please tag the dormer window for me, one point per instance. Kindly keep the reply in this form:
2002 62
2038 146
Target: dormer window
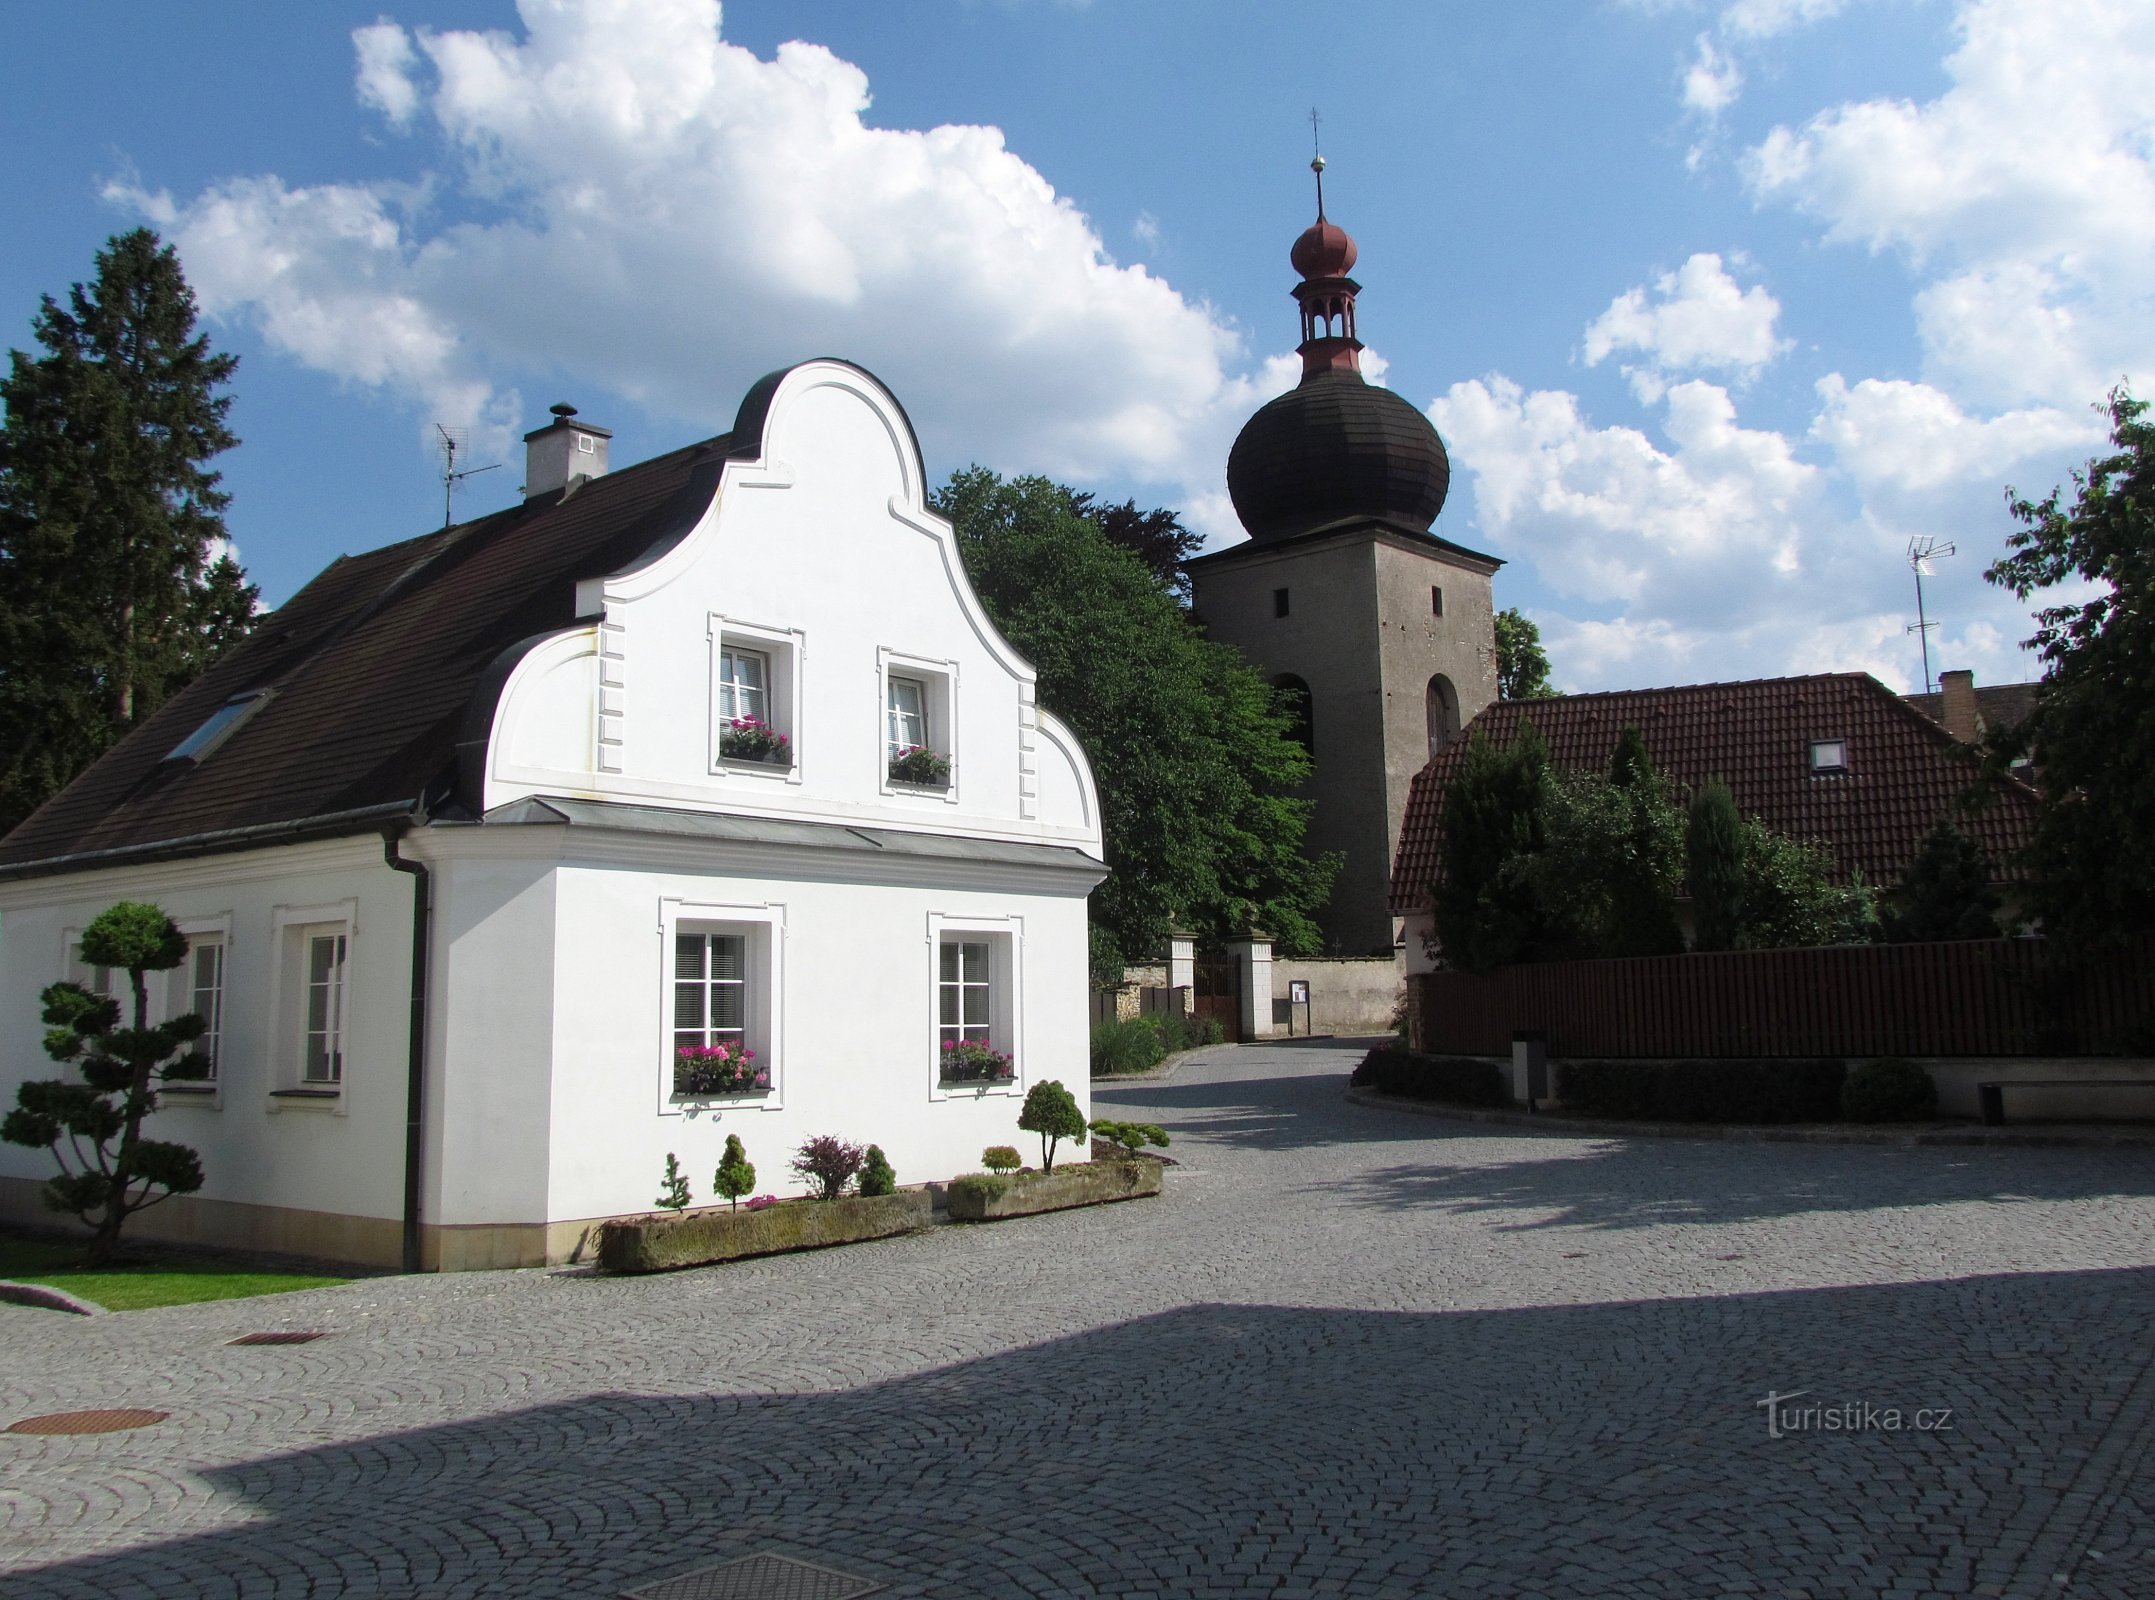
1829 755
222 724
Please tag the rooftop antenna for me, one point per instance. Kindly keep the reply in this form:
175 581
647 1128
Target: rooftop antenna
1920 553
1316 161
454 440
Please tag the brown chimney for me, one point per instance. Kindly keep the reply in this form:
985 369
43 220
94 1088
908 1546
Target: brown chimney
1956 705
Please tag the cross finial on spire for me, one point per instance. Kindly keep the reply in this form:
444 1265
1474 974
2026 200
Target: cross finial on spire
1316 160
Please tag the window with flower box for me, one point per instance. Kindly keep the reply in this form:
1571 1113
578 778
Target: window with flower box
976 1022
721 1006
919 724
755 698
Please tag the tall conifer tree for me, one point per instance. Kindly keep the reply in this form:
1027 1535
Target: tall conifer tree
114 589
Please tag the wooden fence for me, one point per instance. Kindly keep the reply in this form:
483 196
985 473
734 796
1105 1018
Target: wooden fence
1979 997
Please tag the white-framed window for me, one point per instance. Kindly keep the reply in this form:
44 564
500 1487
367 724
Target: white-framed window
964 993
312 1042
98 980
975 989
755 699
906 703
710 988
920 714
744 683
1829 755
205 994
325 952
722 966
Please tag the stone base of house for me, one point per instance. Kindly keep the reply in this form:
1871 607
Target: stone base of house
324 1236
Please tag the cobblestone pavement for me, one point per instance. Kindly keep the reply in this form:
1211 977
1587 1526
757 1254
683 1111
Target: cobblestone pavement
1348 1352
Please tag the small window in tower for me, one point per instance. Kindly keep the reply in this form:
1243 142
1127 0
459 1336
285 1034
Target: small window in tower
1279 602
1436 601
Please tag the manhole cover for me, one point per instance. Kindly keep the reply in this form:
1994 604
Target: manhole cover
88 1421
293 1336
757 1578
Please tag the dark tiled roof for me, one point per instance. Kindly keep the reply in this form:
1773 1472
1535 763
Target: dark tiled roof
2000 705
1336 446
1904 771
372 666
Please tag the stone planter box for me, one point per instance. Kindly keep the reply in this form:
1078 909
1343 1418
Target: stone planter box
1023 1194
656 1244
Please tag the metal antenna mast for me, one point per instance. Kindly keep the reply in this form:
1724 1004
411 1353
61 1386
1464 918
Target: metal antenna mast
453 440
1921 551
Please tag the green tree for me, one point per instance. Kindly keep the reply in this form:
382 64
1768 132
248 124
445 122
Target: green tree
1051 1111
1190 747
1155 537
2090 733
1790 898
1607 878
108 1171
876 1174
112 593
1522 664
1496 819
673 1192
736 1174
1946 892
1714 866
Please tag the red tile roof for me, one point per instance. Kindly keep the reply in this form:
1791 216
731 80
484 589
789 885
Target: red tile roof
372 668
1904 772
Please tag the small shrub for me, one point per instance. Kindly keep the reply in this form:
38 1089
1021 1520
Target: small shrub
1453 1080
876 1175
980 1186
1051 1111
735 1176
1001 1158
1130 1044
829 1164
673 1187
1889 1089
918 764
1130 1136
761 1201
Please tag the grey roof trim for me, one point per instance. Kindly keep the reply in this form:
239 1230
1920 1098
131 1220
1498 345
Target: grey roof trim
365 819
553 810
1420 540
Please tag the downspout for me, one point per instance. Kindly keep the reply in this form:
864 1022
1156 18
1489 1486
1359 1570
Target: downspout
416 1048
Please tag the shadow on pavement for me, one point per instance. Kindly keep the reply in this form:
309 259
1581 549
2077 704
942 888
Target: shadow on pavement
1580 1450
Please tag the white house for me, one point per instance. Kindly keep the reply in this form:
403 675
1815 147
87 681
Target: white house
464 860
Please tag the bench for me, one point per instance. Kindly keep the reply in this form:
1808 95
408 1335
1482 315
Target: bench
1991 1096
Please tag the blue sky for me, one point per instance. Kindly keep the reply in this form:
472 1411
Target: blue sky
1717 305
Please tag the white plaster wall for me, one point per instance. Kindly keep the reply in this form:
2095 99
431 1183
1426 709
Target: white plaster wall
855 1024
343 1156
824 554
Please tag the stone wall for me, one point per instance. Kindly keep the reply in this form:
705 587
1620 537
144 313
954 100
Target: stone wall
1348 994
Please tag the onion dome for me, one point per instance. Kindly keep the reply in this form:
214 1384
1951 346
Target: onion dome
1325 250
1335 448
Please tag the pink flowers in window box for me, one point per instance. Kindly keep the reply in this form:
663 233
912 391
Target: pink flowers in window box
752 739
700 1069
970 1061
917 764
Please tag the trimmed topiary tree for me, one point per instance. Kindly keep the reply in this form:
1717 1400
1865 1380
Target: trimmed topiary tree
108 1171
1001 1158
736 1176
1052 1112
876 1174
1130 1137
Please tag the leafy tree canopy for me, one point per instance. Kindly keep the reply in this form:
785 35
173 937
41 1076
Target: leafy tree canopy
1155 537
114 592
2090 733
1946 892
1522 664
1191 750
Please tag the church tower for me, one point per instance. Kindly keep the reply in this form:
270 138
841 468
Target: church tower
1379 628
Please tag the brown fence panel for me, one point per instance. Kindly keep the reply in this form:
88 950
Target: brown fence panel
1977 997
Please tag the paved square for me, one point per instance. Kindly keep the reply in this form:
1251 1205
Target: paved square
1348 1352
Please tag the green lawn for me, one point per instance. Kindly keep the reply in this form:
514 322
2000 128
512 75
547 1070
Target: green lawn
155 1278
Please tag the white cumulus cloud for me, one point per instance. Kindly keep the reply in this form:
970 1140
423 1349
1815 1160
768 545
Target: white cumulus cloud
623 195
1695 319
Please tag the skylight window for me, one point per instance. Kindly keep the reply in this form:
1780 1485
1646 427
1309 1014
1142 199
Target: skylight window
1829 755
222 724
